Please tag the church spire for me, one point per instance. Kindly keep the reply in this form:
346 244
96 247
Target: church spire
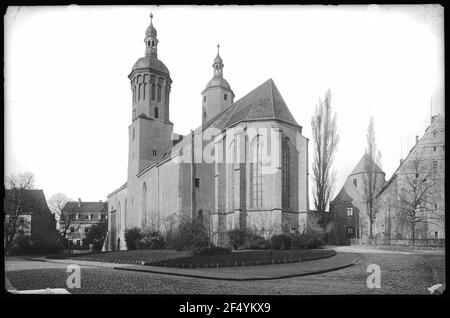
151 41
218 64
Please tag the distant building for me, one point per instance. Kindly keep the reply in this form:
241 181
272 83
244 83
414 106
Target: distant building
36 221
425 160
82 215
348 217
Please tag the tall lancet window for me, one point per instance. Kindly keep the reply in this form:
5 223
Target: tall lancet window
144 204
286 170
256 191
159 93
232 164
153 91
119 216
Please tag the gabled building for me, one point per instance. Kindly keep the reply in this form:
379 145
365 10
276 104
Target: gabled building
244 167
80 217
36 221
348 216
421 173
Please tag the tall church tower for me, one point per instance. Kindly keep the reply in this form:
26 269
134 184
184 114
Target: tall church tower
217 95
150 131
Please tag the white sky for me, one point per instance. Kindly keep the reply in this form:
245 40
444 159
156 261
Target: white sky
68 98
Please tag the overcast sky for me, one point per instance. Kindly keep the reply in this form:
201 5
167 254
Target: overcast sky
68 98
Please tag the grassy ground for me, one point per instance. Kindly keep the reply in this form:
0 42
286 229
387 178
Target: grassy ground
185 259
129 257
245 258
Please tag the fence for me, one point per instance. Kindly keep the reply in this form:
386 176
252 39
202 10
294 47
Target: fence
418 243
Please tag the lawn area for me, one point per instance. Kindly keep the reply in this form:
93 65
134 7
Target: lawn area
245 258
128 257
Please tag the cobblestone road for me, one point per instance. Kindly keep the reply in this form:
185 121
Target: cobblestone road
400 274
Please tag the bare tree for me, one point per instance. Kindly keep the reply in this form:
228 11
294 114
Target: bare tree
371 177
56 204
418 196
15 205
325 140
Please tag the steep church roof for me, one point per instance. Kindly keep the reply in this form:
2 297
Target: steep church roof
262 103
364 164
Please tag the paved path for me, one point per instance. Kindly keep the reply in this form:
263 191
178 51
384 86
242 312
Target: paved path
400 274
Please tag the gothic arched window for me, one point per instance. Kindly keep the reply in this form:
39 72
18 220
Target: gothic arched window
200 219
119 214
153 91
139 91
256 189
145 89
144 203
286 170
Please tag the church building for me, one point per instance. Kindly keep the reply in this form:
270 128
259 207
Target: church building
245 167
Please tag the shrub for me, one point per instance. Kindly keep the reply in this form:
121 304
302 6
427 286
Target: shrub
246 239
96 235
213 250
255 241
281 242
236 238
309 239
133 238
152 240
187 237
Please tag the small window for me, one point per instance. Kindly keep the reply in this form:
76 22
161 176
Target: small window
349 211
153 43
355 182
92 216
434 149
436 234
72 229
204 114
435 166
434 134
134 114
197 182
154 153
156 112
204 99
435 206
224 96
350 230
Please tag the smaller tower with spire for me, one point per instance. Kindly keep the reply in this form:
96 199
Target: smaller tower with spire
151 41
218 95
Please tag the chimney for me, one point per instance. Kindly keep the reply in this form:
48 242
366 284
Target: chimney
79 202
417 139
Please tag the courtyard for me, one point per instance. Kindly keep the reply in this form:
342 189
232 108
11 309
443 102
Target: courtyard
400 273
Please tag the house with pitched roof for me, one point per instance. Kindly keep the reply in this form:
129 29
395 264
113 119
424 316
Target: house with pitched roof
348 216
35 221
80 216
420 174
245 167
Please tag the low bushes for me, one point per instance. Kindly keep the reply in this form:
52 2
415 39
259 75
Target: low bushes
281 242
246 239
151 239
213 250
309 239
